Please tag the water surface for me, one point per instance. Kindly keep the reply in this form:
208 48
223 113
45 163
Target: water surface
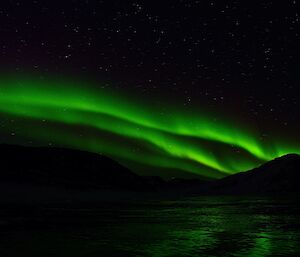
200 226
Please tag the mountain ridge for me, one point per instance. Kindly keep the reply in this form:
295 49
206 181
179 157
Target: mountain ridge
54 169
280 175
63 167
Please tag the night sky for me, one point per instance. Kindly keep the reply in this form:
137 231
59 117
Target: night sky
236 61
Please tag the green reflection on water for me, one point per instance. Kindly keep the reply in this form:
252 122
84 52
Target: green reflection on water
203 226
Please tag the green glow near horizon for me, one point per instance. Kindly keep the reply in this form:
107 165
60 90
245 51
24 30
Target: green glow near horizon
138 132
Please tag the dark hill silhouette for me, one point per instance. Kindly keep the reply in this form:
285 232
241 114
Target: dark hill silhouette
49 169
64 168
281 175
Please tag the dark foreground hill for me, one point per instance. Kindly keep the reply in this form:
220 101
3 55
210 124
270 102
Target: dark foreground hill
48 174
279 176
64 168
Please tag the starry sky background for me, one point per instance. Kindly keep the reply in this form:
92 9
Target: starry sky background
236 57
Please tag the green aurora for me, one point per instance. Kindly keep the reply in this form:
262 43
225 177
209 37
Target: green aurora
135 133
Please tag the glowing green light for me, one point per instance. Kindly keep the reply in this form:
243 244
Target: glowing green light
194 143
